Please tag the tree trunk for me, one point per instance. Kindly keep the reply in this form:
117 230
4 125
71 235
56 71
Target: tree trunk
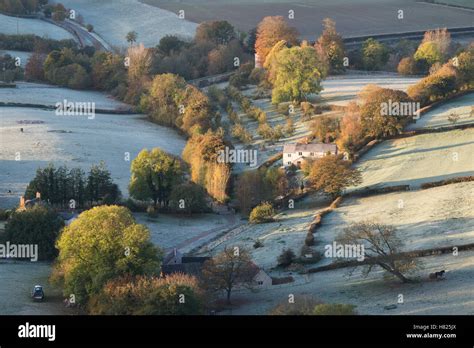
396 273
228 296
400 276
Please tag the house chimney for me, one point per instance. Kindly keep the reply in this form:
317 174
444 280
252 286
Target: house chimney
38 195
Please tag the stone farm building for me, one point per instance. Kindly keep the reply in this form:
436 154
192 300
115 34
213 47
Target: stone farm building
176 262
296 154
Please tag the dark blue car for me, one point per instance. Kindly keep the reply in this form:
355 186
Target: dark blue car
37 294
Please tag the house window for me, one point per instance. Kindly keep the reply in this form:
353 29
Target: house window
300 153
260 282
311 154
289 155
289 163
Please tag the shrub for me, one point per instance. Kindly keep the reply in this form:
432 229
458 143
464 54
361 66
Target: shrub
152 212
307 109
4 214
308 255
286 258
144 295
90 28
435 87
38 225
239 132
258 244
334 309
429 52
257 76
284 108
289 129
374 54
262 213
135 206
189 198
407 66
302 306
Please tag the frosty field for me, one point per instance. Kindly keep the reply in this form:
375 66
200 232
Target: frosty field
75 141
17 280
49 95
112 20
184 232
287 231
340 90
418 159
435 217
13 26
438 117
447 297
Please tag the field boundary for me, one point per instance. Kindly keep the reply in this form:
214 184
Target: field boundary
50 107
413 254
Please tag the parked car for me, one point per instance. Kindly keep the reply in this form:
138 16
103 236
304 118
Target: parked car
37 294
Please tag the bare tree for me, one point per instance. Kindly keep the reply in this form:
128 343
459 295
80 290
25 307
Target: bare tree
232 267
382 248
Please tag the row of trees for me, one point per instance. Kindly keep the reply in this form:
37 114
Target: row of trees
201 153
454 76
30 42
172 102
216 48
433 51
59 186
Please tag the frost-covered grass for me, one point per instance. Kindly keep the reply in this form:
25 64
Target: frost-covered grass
438 117
181 231
17 280
12 26
340 90
452 296
419 159
49 95
287 231
436 217
75 141
113 19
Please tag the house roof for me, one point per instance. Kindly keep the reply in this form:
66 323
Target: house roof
193 268
193 259
168 257
316 147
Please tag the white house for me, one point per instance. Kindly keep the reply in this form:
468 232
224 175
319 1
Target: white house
297 153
